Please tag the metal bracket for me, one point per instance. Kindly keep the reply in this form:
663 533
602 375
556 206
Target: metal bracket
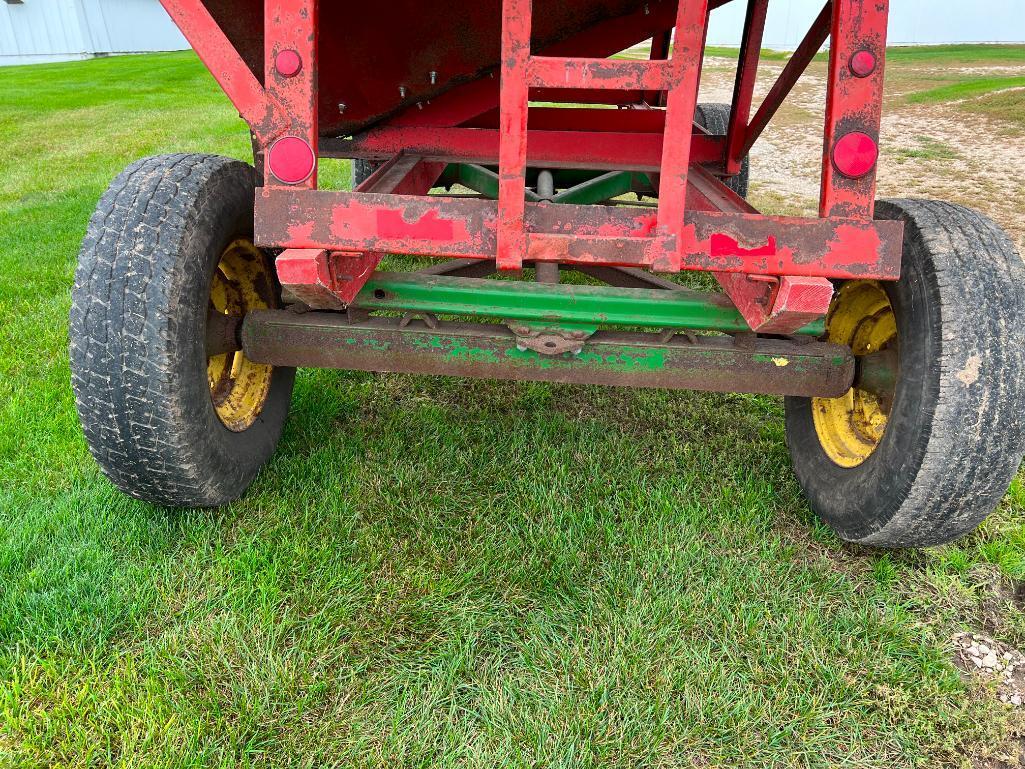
667 335
430 320
550 340
745 340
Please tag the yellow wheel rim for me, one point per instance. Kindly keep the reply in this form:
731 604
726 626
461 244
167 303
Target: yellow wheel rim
850 428
242 283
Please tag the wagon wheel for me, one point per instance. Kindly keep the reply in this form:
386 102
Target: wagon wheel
715 118
362 170
925 445
172 411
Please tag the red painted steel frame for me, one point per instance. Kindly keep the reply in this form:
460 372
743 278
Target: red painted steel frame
566 148
467 228
681 103
774 268
747 75
226 65
854 102
291 25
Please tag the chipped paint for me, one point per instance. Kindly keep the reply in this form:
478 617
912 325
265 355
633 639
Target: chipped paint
344 221
490 351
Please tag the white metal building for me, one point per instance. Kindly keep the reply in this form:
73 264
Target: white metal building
34 31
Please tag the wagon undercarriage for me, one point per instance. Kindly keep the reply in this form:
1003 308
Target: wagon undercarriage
509 140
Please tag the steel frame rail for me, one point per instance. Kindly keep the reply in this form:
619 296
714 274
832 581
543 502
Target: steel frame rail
716 364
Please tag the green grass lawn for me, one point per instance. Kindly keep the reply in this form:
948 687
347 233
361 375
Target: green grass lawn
999 97
432 571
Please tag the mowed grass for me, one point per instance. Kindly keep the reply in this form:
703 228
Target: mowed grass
437 572
950 56
995 97
967 89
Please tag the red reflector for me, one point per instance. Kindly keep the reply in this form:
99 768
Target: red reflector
855 154
288 63
863 63
292 160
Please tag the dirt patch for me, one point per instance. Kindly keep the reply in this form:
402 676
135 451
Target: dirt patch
994 663
931 151
1000 668
983 174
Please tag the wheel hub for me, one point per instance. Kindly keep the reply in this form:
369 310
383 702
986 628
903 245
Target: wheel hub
850 428
241 283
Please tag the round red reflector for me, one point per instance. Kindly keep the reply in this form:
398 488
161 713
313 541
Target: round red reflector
292 160
863 63
855 154
288 63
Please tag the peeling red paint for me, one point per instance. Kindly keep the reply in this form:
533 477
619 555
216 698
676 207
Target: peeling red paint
724 245
430 226
852 245
608 74
300 233
714 241
853 103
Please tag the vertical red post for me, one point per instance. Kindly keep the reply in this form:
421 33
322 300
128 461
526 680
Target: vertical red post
681 103
512 152
747 76
854 99
290 49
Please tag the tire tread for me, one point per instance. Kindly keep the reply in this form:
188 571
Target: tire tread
130 299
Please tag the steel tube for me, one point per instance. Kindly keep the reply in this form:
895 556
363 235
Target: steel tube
560 303
716 364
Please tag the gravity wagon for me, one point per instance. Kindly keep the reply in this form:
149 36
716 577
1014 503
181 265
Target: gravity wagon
507 138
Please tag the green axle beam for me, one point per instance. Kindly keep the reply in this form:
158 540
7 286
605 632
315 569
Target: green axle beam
555 304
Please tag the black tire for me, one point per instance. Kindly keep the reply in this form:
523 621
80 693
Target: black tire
138 333
715 118
954 439
362 170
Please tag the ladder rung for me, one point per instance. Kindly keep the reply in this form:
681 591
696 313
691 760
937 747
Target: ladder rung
599 74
